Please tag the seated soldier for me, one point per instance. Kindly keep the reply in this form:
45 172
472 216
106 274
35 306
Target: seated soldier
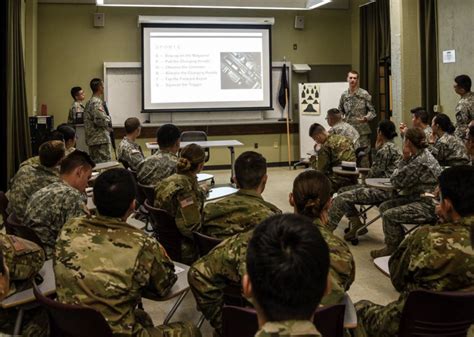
163 163
128 150
436 258
35 160
287 275
4 278
339 127
420 119
246 208
445 147
334 149
385 162
104 263
52 206
469 143
23 260
32 178
181 196
69 134
225 264
417 173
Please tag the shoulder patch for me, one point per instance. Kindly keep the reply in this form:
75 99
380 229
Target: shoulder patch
186 201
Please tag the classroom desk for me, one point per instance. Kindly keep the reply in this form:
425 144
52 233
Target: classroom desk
202 177
230 144
381 263
106 165
220 192
380 183
342 172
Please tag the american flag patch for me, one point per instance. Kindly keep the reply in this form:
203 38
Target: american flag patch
186 202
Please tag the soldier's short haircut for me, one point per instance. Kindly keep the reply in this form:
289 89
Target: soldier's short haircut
114 191
334 112
456 184
95 84
67 131
75 92
167 135
131 124
76 159
444 123
287 263
417 137
355 72
315 129
55 135
311 192
464 82
51 153
387 128
250 167
422 114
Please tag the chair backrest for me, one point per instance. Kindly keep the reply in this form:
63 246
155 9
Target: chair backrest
205 243
165 230
24 232
190 136
329 320
148 191
239 321
124 163
3 206
429 313
12 222
360 153
73 320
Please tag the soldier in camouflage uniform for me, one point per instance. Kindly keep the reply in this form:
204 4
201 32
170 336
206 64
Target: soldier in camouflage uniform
31 178
163 163
287 275
52 206
356 105
334 150
104 263
129 152
181 196
97 124
69 134
446 148
385 162
339 127
76 113
420 119
469 143
436 258
245 209
416 174
464 110
23 260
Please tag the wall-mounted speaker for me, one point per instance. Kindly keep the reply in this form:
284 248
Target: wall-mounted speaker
299 22
99 19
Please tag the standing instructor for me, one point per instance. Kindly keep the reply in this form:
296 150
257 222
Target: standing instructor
356 105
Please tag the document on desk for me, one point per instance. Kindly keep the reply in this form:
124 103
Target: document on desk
178 270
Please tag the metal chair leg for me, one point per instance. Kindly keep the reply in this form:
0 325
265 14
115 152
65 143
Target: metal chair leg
19 320
200 321
175 307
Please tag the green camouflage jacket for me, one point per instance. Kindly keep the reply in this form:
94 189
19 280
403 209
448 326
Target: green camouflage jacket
464 112
336 149
96 122
288 329
130 152
345 129
156 168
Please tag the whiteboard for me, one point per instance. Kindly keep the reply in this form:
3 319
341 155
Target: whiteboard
329 96
122 91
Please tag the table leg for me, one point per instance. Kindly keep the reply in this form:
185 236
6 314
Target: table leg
19 319
200 321
232 159
175 307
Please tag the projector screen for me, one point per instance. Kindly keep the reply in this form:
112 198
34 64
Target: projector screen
206 67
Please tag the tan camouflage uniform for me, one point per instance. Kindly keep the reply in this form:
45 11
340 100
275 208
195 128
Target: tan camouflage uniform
181 196
156 168
27 181
31 161
104 263
236 213
75 108
437 258
130 152
464 112
50 208
449 150
288 329
345 129
428 131
96 127
336 149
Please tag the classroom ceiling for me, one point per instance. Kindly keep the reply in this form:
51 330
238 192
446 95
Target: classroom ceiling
263 4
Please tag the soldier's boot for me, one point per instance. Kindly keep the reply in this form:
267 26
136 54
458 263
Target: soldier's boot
385 251
356 224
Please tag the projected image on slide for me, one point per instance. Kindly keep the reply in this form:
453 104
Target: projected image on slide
241 70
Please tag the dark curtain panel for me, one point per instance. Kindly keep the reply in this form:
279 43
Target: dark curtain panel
3 94
18 135
429 53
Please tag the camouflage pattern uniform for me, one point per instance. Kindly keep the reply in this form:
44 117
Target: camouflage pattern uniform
181 196
156 168
69 151
27 181
412 178
449 151
75 108
437 258
225 265
31 161
288 329
104 263
358 105
236 213
50 208
96 127
23 259
385 162
345 129
428 131
336 149
464 113
130 152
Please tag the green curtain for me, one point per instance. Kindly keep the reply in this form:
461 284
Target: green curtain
429 53
18 134
3 94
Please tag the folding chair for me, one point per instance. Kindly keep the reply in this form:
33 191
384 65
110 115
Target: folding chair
200 136
145 192
23 232
205 243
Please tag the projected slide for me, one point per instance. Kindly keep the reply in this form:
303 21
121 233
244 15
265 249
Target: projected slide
206 68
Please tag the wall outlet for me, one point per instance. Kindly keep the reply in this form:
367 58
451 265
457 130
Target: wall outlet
275 145
255 146
437 108
99 19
